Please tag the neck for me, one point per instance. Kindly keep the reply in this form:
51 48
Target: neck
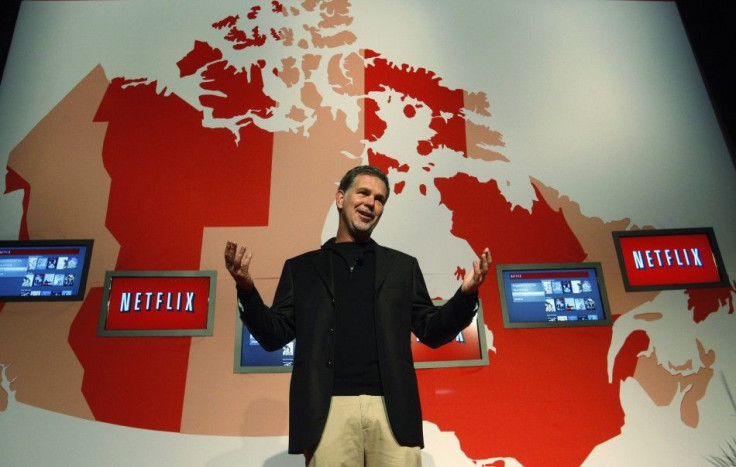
345 237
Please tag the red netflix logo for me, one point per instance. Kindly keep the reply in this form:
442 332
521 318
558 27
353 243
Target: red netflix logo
154 303
669 259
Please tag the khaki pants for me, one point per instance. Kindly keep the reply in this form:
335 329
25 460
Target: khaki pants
357 433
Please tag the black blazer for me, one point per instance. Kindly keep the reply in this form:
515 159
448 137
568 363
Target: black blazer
303 308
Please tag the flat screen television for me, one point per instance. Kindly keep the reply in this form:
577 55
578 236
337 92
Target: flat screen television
44 270
158 303
663 259
250 357
553 295
469 348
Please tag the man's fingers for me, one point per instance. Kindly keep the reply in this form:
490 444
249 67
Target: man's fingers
237 258
485 261
482 266
229 251
229 255
480 274
486 257
237 262
245 260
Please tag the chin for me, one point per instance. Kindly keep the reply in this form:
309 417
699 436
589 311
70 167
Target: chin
363 231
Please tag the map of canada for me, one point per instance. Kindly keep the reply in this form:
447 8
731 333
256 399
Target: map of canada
286 103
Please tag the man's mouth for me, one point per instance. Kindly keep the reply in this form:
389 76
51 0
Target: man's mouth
365 216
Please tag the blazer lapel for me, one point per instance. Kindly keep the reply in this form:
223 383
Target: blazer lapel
384 258
322 262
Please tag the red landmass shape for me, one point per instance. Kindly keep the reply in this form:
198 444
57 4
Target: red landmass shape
164 168
705 301
446 104
546 390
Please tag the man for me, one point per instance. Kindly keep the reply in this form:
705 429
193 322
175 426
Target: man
352 306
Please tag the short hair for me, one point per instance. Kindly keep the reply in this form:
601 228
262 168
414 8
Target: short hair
349 178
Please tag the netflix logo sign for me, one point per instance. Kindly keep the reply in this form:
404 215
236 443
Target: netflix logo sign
158 303
669 259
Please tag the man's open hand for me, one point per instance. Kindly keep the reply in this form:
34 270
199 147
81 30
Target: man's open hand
237 262
477 275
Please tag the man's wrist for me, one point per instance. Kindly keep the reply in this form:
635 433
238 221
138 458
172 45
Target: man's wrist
244 284
244 294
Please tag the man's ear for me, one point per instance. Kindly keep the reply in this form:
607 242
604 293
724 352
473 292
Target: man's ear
339 198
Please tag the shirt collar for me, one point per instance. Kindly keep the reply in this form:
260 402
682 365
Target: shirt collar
330 244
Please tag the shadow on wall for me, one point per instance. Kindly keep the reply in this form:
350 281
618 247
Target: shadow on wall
245 455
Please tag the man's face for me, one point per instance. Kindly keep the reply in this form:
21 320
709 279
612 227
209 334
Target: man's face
360 208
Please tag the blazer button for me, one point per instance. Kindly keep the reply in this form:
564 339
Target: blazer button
331 331
329 364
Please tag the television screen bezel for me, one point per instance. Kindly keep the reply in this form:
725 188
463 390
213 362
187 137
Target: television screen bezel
723 280
549 267
241 333
81 291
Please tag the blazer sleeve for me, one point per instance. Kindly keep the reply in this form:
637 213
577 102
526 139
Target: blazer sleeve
435 326
272 327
